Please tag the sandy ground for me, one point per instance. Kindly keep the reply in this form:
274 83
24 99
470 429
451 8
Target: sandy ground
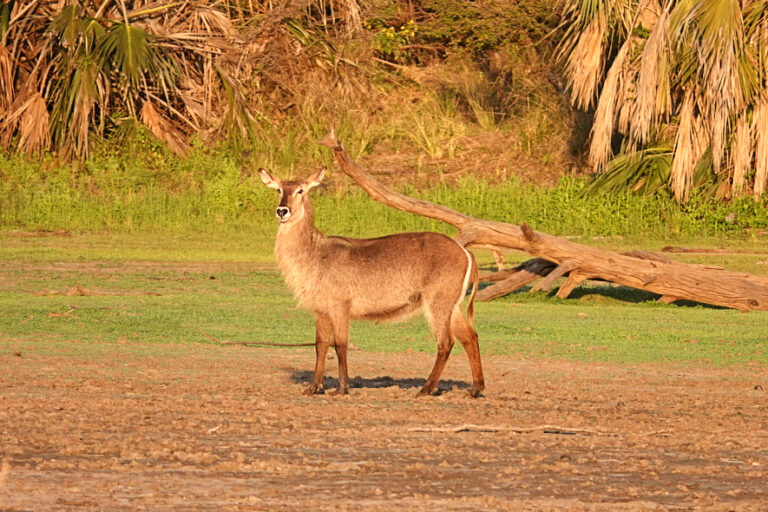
226 428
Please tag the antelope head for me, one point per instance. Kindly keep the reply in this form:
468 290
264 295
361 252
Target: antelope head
294 201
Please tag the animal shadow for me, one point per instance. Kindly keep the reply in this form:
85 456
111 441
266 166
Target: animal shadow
305 377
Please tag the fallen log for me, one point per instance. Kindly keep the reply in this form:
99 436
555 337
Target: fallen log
514 279
670 279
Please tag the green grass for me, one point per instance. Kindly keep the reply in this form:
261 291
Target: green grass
219 195
169 226
148 246
606 330
194 302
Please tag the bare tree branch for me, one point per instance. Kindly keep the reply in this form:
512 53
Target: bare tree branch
670 279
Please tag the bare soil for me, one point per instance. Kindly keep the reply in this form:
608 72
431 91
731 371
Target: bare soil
121 427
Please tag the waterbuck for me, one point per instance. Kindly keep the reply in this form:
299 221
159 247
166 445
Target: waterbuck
385 278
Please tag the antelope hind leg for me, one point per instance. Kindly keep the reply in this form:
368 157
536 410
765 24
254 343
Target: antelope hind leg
444 346
468 339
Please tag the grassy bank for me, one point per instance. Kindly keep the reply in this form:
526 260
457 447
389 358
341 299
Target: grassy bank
220 195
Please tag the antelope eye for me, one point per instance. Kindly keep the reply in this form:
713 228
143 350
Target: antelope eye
299 192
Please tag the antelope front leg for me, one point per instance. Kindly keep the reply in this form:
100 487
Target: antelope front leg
323 331
341 344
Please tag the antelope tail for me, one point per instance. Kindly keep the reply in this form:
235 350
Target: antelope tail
475 284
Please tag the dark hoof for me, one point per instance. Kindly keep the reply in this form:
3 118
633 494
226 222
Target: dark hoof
476 391
425 392
313 390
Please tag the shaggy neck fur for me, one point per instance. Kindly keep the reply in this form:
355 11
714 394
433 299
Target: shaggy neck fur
295 246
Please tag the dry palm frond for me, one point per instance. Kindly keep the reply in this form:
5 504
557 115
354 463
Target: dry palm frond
617 109
211 21
625 100
92 60
34 132
11 120
588 40
721 28
704 62
602 129
652 100
644 16
194 105
6 81
27 118
162 128
719 102
741 154
585 63
649 12
760 130
690 144
759 39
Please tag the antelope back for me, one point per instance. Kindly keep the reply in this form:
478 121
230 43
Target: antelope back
380 278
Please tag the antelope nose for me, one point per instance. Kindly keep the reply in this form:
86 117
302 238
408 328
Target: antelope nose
282 213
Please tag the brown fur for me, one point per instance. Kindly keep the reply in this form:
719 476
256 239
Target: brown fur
385 278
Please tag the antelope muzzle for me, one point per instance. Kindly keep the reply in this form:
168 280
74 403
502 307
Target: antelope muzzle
283 213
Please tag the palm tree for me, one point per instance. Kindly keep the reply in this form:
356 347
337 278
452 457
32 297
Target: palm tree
683 82
75 70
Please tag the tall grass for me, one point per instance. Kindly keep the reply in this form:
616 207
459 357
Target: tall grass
219 192
436 127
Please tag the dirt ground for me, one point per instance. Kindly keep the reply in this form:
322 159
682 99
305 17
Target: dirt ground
226 428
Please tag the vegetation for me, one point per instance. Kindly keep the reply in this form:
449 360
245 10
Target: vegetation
216 193
165 303
684 84
76 72
154 117
80 77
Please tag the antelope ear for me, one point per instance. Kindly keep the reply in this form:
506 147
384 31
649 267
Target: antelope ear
314 180
269 180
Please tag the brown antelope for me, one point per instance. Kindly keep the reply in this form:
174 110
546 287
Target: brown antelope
385 278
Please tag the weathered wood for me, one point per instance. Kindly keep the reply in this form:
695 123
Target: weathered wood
574 280
514 279
498 257
646 255
539 266
495 277
667 278
548 282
